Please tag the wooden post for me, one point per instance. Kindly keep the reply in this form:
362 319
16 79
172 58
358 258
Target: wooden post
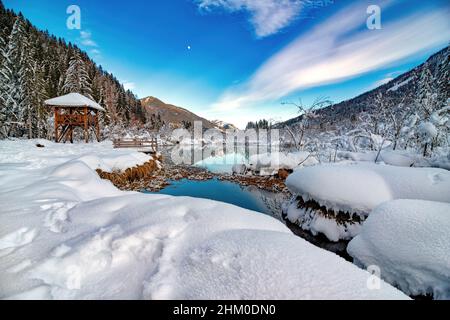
71 125
97 125
56 124
86 137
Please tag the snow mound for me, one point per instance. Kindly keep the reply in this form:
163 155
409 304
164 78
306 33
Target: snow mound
262 264
409 240
360 187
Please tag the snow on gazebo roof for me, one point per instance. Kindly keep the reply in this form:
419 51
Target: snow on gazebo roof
73 100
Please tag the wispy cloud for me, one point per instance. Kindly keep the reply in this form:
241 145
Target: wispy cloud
86 39
128 85
339 48
266 16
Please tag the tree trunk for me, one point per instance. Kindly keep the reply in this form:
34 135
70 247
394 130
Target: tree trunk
30 126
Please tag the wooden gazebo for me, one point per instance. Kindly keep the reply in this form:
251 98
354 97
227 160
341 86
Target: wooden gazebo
75 110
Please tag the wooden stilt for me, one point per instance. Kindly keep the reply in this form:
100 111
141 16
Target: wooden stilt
86 129
71 127
68 118
97 125
56 124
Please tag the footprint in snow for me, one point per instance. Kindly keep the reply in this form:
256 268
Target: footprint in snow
57 215
16 239
436 178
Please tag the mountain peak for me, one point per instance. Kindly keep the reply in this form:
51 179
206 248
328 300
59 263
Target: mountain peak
151 100
171 114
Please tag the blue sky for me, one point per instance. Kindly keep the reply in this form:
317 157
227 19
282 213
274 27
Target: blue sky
237 60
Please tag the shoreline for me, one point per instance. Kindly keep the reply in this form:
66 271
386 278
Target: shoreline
155 175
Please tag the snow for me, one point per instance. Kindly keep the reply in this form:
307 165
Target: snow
94 155
356 189
74 100
428 131
67 234
401 158
399 85
360 187
413 251
270 163
315 223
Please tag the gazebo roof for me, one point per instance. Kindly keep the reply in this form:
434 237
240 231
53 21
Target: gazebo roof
74 100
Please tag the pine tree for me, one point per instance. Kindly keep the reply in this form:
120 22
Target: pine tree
3 110
443 81
12 73
426 103
77 78
35 65
426 99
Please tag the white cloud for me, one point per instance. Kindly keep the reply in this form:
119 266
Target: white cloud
86 39
381 82
266 16
95 52
336 50
129 85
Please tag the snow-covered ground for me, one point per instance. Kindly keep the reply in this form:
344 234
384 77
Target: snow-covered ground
395 158
401 158
65 233
409 240
356 189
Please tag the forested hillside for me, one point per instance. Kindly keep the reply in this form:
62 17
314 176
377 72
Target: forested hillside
412 110
35 66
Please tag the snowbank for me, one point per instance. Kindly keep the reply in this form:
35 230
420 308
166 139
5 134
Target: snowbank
67 234
360 187
315 222
410 241
335 199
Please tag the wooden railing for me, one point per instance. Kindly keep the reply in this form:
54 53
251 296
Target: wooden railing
151 144
75 119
